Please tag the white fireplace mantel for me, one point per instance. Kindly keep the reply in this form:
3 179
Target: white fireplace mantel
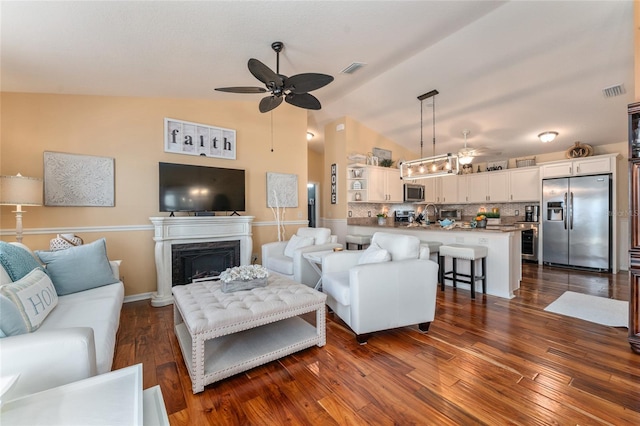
194 229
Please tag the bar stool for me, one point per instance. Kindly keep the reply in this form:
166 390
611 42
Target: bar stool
464 252
359 240
434 249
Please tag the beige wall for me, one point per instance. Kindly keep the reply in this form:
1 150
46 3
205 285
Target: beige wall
131 131
339 144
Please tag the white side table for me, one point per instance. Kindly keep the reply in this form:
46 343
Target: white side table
315 260
114 398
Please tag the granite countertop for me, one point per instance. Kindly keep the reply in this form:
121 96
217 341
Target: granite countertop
373 221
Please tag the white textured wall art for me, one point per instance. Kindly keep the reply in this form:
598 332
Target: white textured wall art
73 180
282 190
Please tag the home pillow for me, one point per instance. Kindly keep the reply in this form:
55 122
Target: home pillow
78 268
374 254
295 243
17 261
34 296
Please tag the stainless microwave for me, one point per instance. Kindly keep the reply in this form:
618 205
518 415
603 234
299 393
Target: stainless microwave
413 193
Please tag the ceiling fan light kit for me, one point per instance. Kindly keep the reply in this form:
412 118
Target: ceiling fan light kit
548 136
293 90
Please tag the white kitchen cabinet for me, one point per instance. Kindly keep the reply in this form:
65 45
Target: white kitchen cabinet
483 187
385 185
448 189
498 187
476 188
431 190
591 166
524 184
577 167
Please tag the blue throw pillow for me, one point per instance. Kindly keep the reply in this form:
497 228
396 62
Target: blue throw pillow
78 268
17 261
11 321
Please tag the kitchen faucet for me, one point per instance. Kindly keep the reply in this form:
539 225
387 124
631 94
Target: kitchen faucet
425 212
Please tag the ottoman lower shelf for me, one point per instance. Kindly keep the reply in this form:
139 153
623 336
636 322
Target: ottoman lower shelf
241 351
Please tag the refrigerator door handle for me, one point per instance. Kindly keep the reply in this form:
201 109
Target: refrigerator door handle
564 211
571 212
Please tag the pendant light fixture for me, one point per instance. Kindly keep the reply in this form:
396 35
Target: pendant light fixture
436 165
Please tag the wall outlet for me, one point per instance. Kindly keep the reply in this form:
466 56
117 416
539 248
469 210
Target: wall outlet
517 212
369 213
350 213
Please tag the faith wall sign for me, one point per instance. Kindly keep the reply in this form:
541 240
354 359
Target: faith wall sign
184 137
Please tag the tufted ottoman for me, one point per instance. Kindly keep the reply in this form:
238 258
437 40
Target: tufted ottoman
222 334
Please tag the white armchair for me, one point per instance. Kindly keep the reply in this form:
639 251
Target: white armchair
371 297
285 257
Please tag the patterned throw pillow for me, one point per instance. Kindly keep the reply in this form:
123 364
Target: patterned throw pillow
34 296
17 261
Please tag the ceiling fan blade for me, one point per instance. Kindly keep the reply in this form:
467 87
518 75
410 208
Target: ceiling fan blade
241 89
303 100
303 83
269 102
265 74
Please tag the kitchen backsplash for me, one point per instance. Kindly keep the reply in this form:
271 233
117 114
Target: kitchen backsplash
507 210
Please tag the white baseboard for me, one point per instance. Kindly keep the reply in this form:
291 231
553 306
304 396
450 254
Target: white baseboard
138 297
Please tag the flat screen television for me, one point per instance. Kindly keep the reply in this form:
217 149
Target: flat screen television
188 188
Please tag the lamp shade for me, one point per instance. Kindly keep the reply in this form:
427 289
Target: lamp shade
20 190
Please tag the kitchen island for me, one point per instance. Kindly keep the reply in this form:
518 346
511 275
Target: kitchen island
504 258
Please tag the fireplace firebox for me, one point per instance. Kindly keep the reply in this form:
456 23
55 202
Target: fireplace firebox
194 261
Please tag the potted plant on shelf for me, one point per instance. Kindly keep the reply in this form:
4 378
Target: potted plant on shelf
382 218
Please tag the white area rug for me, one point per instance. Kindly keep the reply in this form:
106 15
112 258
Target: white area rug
614 313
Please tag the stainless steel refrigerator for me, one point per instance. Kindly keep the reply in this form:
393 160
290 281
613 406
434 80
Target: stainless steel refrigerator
576 222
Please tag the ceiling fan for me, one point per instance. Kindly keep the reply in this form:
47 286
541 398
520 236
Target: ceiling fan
466 154
294 90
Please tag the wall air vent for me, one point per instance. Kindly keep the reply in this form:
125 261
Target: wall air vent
355 66
617 90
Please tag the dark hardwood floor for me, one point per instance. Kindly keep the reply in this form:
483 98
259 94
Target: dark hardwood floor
489 361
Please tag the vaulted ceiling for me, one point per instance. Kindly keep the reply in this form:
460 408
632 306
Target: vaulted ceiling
506 71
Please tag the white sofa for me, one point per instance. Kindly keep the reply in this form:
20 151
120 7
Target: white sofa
75 341
282 258
397 290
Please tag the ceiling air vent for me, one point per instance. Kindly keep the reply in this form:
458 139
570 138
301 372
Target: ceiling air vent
353 68
610 92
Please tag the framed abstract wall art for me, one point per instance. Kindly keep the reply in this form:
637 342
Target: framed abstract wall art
73 180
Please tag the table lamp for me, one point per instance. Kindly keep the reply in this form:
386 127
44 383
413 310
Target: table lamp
20 191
